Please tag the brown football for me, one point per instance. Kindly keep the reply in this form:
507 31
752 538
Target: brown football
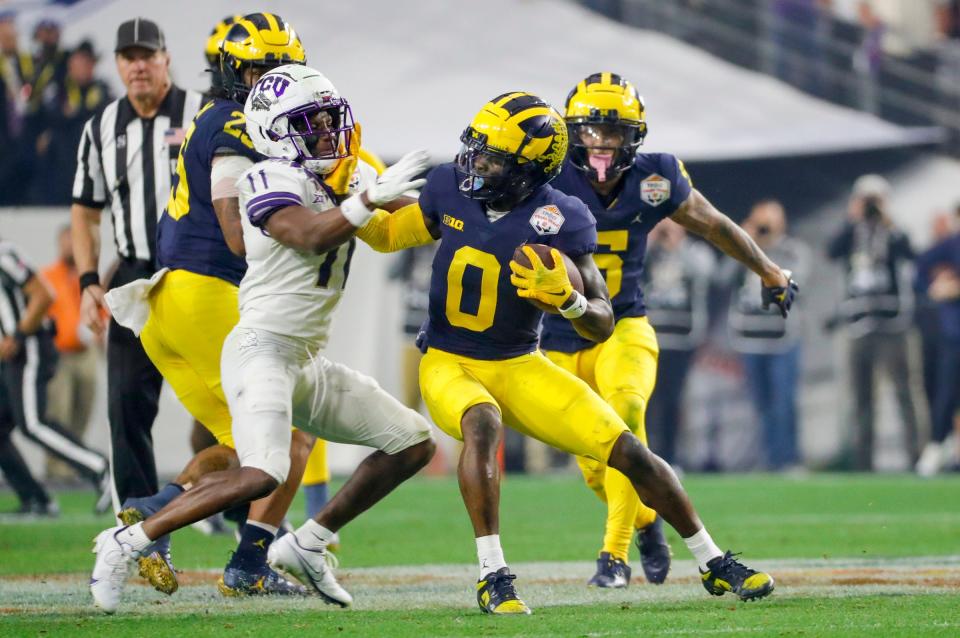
543 251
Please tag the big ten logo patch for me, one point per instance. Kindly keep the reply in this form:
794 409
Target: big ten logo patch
453 222
547 220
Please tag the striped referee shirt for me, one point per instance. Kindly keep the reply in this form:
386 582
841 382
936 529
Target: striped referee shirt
125 162
14 275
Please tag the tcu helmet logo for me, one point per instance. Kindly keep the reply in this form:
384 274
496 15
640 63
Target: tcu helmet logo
547 220
278 83
261 100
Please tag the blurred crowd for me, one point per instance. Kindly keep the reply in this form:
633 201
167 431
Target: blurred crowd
47 95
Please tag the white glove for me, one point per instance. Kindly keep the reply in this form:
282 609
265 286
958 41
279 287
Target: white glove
398 179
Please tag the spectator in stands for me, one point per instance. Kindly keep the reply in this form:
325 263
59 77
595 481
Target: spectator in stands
16 76
869 56
938 277
71 391
798 30
876 310
676 282
948 19
78 98
769 346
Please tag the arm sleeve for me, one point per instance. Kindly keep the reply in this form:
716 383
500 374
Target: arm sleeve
405 228
88 184
267 188
15 267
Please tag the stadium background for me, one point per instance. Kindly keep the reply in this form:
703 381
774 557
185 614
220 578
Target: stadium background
416 72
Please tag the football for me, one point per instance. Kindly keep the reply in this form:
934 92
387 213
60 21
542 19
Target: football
543 251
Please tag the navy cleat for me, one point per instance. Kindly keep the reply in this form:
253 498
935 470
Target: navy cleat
654 552
725 573
157 566
497 595
612 573
263 581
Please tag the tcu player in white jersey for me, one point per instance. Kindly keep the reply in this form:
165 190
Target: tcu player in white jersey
299 242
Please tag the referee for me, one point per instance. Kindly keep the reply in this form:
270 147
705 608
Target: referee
126 156
27 362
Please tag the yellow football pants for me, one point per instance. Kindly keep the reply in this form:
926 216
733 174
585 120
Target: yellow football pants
534 397
623 371
190 316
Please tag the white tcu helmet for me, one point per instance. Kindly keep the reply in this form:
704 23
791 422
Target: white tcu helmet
279 110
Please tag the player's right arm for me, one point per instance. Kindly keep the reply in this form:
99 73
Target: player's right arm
89 197
225 170
303 229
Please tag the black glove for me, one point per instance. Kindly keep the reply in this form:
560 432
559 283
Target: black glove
781 296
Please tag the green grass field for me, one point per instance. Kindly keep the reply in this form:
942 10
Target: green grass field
852 555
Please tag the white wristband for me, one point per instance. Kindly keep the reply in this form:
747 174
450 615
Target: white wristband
355 211
576 308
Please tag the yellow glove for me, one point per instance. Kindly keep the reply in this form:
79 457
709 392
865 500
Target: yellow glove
339 179
551 287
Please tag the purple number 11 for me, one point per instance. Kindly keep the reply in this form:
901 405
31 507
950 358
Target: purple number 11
263 178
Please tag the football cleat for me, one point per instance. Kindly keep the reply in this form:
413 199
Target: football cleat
157 566
654 552
313 568
236 582
725 573
111 569
497 595
612 573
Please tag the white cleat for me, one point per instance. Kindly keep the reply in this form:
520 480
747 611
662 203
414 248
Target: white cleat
111 569
309 567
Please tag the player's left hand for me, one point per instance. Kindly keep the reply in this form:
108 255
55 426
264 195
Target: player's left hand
781 293
339 179
547 285
9 347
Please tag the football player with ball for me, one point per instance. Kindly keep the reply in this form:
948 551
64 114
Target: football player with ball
482 368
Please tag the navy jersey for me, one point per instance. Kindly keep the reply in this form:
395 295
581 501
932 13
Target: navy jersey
189 236
653 188
474 310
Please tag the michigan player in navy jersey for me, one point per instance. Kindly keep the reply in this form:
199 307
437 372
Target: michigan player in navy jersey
193 299
482 368
629 193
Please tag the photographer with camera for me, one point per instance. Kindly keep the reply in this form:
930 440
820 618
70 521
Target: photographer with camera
768 345
876 310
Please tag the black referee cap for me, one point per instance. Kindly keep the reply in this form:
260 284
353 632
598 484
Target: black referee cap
140 32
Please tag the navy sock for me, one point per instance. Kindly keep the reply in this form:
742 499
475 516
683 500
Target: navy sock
251 552
316 498
155 503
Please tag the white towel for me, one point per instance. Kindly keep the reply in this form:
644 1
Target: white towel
129 304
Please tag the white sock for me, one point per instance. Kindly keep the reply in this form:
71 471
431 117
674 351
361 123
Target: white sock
703 548
264 526
313 535
133 537
490 554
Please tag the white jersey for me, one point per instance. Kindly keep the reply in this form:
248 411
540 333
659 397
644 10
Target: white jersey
286 291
